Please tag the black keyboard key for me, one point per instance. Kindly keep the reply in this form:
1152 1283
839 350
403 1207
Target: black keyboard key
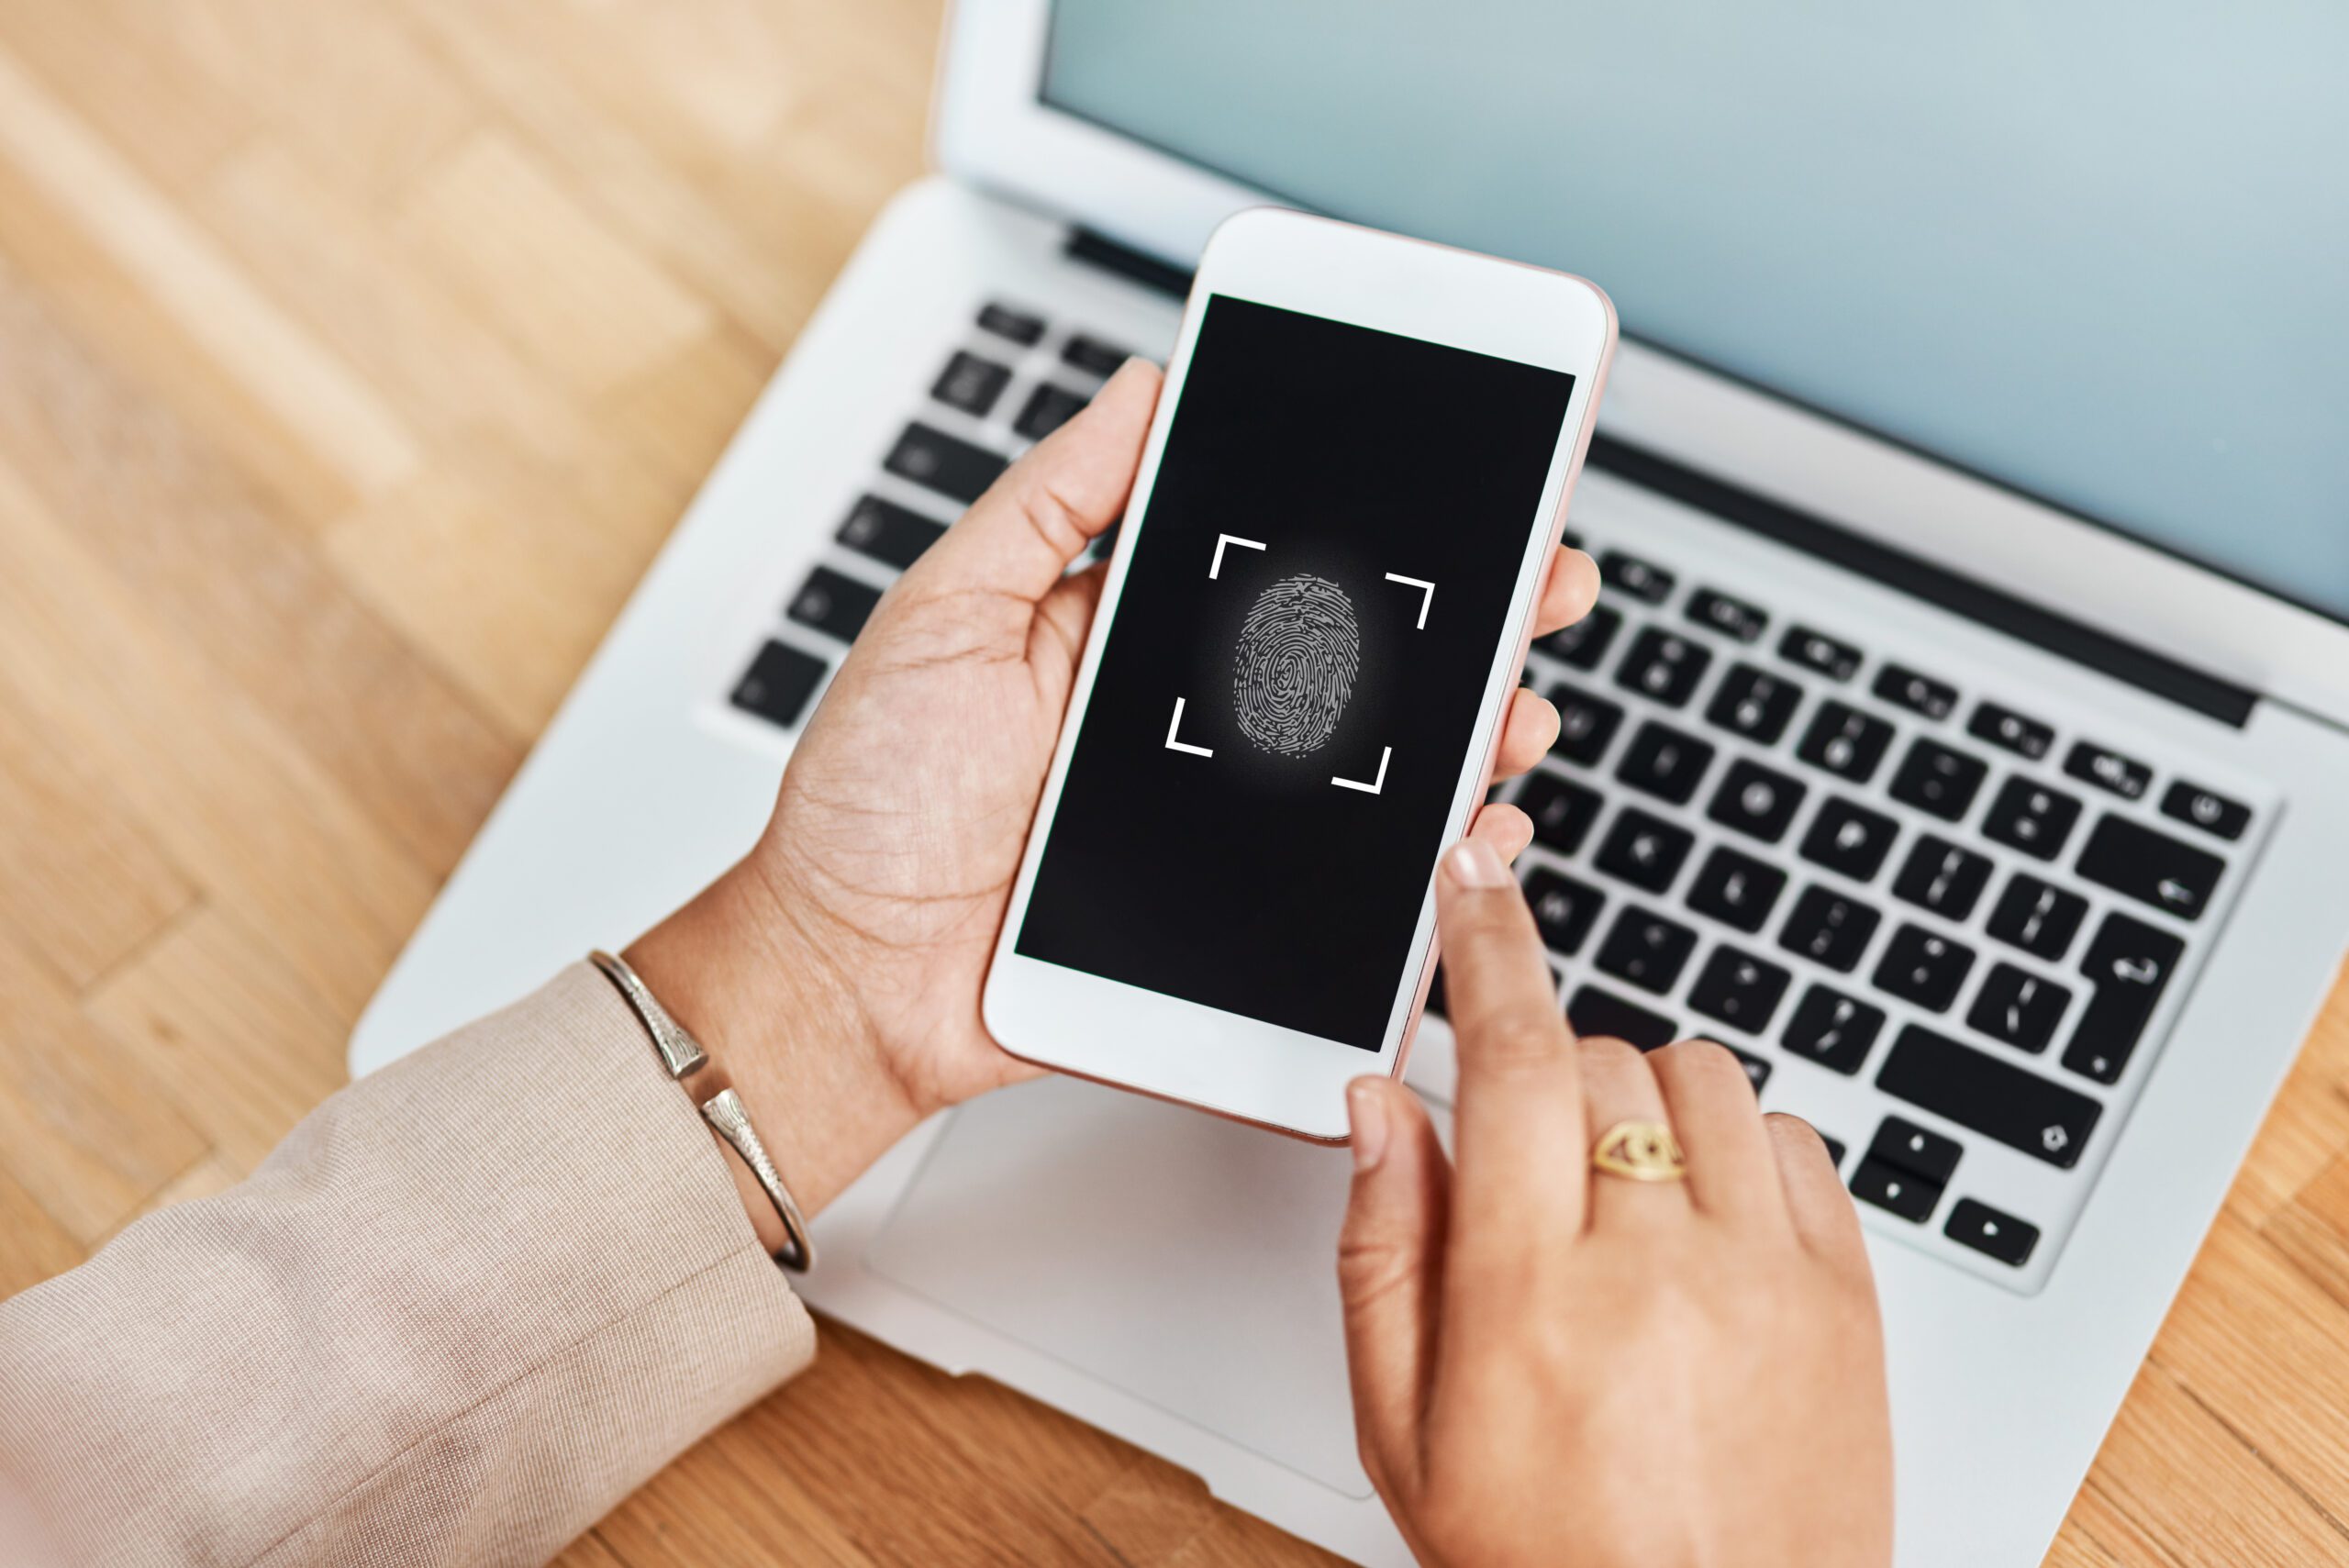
1942 877
1716 611
888 532
1994 1098
1564 909
2003 726
2130 964
1585 724
1816 651
2124 776
1092 356
1754 800
1562 810
949 466
2037 917
971 384
1643 851
1434 1006
1939 780
1736 889
1664 762
1834 1148
1754 704
2019 1008
2206 809
1916 1149
1642 580
2031 818
1646 949
1849 839
833 604
778 683
1921 967
1591 1012
2151 867
1994 1235
1663 665
1019 325
1047 410
1584 643
1894 1190
1739 990
1830 928
1832 1029
1845 742
1904 687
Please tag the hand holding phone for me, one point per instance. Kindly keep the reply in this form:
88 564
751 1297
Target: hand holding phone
1304 653
843 958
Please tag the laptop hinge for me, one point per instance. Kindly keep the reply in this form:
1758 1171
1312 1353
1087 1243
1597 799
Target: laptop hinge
1162 277
1952 591
1977 601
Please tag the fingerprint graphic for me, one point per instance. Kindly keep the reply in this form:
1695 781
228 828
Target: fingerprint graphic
1294 668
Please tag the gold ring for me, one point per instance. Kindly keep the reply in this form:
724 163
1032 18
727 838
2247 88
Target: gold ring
1643 1151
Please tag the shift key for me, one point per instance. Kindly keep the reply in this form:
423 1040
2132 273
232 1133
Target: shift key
1997 1099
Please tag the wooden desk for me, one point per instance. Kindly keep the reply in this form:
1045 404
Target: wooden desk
355 356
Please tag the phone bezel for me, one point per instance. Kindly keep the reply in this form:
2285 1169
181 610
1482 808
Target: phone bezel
1162 1045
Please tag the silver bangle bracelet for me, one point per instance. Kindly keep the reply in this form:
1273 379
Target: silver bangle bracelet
682 1057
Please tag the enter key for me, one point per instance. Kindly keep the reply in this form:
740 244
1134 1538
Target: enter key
2130 964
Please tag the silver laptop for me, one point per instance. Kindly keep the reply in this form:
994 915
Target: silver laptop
1962 736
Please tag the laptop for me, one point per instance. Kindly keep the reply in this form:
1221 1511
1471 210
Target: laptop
1961 734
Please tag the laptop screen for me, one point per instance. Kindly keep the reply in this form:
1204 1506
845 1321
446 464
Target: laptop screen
2098 252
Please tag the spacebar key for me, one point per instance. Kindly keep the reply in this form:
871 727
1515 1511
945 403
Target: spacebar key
2021 1110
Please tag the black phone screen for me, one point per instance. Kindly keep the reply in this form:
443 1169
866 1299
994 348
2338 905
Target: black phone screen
1259 785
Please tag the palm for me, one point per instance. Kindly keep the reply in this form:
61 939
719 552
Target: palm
904 810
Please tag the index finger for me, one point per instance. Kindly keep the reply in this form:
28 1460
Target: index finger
1518 1119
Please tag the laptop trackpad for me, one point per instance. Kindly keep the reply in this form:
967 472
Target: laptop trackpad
1187 1261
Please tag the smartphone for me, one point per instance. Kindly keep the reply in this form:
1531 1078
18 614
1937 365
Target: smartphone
1316 611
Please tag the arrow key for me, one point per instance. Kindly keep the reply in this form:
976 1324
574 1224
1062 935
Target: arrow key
1984 1229
1894 1190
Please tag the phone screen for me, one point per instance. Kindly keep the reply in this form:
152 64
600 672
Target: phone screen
1260 782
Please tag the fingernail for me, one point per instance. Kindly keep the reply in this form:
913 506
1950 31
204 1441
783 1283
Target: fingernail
1367 1111
1473 864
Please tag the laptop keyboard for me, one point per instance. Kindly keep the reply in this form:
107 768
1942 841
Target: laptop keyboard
1925 918
1831 862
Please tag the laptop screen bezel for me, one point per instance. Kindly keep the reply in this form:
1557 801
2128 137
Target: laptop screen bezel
991 127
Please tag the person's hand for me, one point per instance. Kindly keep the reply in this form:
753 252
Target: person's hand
1555 1365
837 970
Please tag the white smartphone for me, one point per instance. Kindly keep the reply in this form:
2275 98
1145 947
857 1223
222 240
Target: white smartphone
1315 610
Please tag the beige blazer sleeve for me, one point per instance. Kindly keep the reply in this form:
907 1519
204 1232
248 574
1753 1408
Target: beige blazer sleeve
466 1306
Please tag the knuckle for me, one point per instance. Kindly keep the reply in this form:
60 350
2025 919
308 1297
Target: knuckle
1370 1265
1488 918
1790 1129
1701 1060
1603 1051
1518 1038
1057 521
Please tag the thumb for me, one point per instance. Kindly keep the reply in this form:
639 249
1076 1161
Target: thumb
1018 538
1390 1272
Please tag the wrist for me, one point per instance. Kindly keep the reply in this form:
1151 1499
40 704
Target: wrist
739 968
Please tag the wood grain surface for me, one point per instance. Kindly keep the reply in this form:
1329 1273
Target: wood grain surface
355 356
